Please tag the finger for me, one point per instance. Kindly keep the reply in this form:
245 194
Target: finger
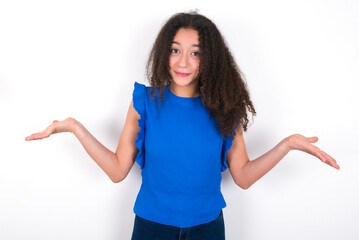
44 134
331 161
319 154
314 150
29 138
312 139
36 136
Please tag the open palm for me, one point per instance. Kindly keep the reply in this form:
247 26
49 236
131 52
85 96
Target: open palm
299 142
56 127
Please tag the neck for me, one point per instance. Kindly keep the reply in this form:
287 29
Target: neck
189 91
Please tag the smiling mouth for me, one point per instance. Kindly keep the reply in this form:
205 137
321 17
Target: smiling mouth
182 74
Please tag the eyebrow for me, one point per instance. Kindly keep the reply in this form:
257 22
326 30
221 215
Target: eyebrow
193 45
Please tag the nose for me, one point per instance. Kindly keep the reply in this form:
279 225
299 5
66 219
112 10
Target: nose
183 60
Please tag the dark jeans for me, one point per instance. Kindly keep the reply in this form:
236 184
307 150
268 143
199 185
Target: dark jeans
147 230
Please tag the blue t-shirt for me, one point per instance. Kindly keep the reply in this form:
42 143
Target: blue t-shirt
181 154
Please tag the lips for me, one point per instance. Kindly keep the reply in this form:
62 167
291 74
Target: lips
182 74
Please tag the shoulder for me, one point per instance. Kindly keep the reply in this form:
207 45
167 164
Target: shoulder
140 86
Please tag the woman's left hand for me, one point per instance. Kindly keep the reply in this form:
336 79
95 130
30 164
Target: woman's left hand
299 142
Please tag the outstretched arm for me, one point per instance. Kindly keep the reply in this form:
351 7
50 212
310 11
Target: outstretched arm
246 172
115 165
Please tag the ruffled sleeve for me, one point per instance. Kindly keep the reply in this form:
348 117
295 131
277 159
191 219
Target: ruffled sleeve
139 103
227 144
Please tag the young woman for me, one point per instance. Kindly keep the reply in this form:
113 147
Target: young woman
184 131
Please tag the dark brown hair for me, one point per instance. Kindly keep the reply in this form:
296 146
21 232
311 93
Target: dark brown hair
222 88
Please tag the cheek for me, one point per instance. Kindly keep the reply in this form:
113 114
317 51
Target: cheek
171 63
196 66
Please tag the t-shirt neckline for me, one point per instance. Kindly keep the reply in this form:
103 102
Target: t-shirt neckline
184 98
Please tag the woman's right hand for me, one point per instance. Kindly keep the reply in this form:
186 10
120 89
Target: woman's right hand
67 125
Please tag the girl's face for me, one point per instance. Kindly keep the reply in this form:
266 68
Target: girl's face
184 57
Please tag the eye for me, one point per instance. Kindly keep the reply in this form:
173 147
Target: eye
196 54
174 50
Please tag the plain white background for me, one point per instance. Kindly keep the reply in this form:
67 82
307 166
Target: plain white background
81 58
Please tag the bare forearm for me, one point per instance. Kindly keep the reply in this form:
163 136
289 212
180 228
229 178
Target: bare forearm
104 158
255 169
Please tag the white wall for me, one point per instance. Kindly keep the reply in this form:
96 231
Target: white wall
81 58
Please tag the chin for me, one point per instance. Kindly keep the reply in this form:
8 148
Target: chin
182 82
